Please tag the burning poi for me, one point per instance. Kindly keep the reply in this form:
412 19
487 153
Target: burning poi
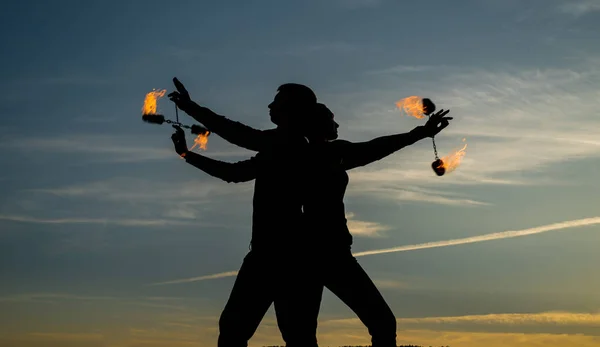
418 107
149 115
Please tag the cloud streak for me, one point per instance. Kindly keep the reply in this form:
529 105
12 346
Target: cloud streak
100 221
105 148
363 228
144 190
199 278
487 237
402 193
554 318
579 8
446 243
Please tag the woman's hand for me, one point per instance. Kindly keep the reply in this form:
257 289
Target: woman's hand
436 123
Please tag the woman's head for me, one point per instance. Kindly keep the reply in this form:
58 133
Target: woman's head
321 126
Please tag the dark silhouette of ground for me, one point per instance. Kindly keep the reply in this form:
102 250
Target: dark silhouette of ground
298 211
366 346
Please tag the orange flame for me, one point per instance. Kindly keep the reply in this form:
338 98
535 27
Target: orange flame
201 140
412 106
150 101
453 160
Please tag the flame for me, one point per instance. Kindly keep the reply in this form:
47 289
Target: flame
150 101
452 160
412 106
201 140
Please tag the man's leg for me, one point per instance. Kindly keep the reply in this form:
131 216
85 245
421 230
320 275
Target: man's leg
345 278
250 299
297 303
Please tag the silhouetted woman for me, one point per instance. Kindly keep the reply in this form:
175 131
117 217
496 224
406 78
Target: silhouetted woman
329 261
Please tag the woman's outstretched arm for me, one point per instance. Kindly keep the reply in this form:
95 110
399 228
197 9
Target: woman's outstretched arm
356 154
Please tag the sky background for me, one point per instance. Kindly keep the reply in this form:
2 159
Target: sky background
95 206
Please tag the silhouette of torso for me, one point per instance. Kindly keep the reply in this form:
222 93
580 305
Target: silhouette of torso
278 192
324 210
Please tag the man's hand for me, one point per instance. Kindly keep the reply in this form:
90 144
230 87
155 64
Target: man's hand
181 97
178 138
436 123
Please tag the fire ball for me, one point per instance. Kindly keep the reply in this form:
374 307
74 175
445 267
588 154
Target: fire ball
438 167
428 106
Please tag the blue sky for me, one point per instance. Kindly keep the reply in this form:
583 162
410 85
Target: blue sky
95 205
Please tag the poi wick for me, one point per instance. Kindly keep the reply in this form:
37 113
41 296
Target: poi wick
149 114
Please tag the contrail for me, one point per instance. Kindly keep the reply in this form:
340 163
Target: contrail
446 243
101 221
488 237
200 278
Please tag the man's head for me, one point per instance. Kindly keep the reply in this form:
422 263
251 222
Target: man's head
291 101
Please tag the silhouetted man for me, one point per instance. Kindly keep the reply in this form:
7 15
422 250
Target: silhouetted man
268 270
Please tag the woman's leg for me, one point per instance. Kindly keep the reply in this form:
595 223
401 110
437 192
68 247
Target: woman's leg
346 279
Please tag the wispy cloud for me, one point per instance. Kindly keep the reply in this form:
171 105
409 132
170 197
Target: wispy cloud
446 243
180 195
580 7
478 330
166 303
515 122
560 318
402 69
391 284
70 337
312 48
100 221
107 148
36 297
134 202
268 335
318 48
352 332
363 228
398 192
553 318
487 237
199 278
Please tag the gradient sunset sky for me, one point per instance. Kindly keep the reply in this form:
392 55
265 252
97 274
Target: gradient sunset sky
108 239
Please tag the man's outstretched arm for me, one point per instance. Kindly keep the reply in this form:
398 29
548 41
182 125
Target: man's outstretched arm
234 132
356 154
241 171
